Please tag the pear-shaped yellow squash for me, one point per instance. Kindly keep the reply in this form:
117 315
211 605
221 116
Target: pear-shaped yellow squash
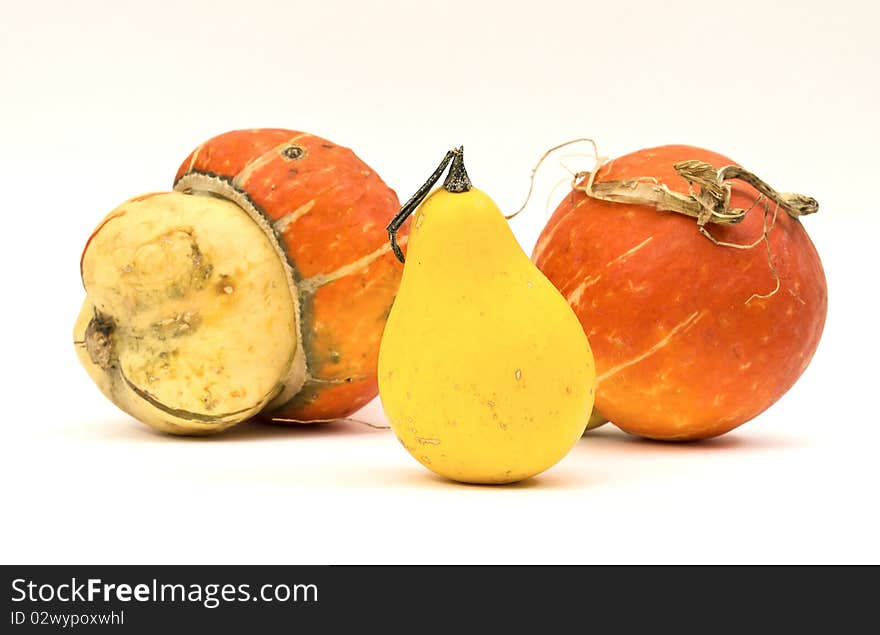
484 370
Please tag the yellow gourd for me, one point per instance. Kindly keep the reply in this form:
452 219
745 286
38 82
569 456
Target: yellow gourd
484 370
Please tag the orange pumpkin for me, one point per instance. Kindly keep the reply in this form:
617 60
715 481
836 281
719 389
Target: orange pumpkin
683 350
328 211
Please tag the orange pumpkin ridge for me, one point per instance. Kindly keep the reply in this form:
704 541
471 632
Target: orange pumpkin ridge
328 211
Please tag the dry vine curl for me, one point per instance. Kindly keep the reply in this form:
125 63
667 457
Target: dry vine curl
707 200
375 426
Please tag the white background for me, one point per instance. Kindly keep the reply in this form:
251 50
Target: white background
101 101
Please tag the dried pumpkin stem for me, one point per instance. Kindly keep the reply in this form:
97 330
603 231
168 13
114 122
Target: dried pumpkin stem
757 242
707 200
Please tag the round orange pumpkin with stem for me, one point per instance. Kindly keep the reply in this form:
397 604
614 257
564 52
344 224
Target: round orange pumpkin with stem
697 324
260 285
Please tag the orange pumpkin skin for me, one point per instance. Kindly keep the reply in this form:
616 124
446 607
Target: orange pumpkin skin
329 210
681 352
